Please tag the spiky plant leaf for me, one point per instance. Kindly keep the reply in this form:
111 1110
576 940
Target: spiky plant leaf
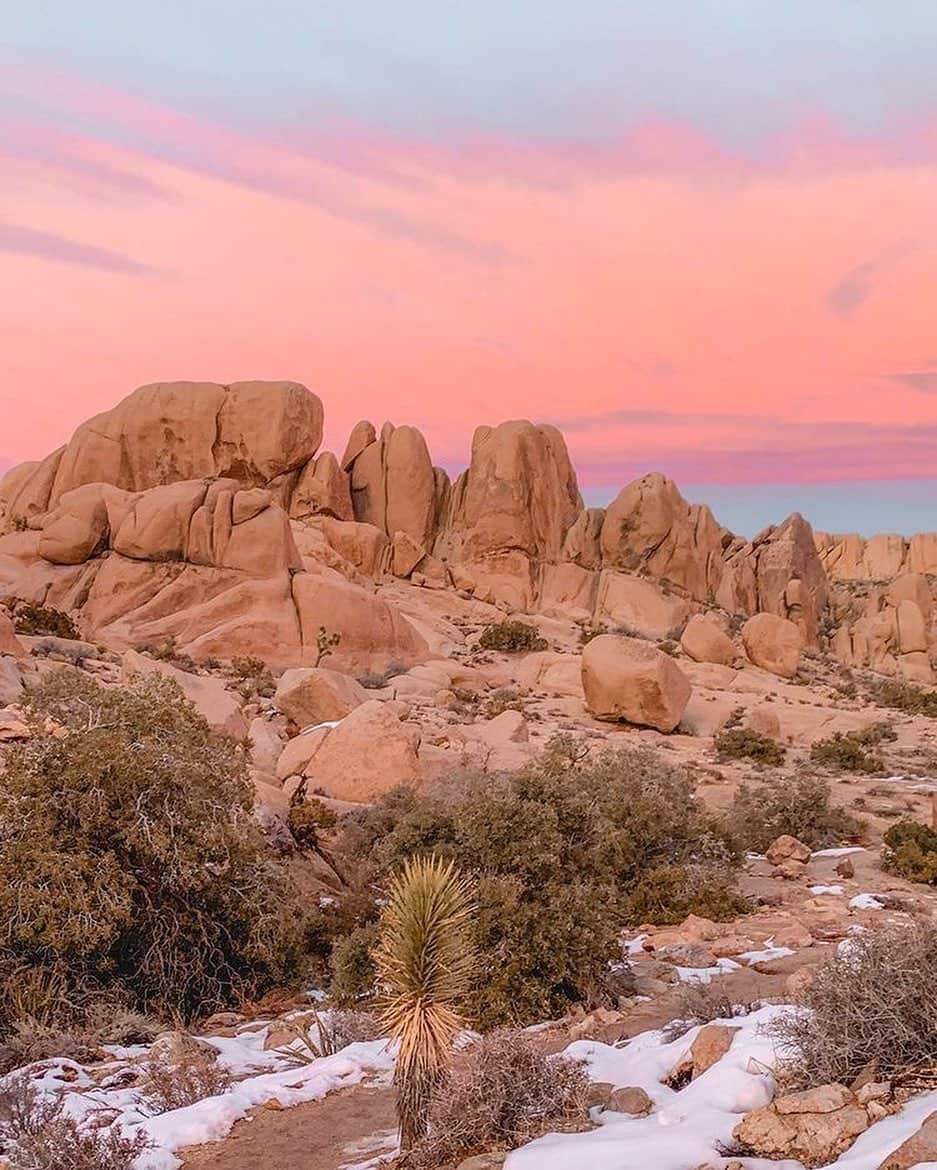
425 965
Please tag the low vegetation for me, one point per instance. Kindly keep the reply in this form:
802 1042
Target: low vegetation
565 853
36 1135
904 696
253 678
702 1003
307 818
185 1072
911 851
32 619
502 1092
799 806
41 1028
745 743
845 753
870 1004
130 863
511 637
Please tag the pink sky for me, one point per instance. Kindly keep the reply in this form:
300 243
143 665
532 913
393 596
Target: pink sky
670 303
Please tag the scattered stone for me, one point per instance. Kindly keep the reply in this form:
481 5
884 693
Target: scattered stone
631 1100
787 848
813 1127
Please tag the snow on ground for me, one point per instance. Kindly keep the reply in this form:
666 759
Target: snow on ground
816 890
687 1126
724 966
261 1076
865 902
842 852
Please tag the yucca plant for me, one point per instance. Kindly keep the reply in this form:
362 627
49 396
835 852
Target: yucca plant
425 963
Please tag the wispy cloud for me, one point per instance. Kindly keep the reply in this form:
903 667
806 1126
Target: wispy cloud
923 380
26 241
855 287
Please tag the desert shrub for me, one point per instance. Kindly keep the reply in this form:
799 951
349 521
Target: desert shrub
376 679
745 743
351 965
307 818
502 1092
77 1033
35 1135
129 856
911 851
501 700
565 853
799 806
669 646
185 1071
352 1027
426 964
904 696
842 753
871 1001
874 734
255 679
510 637
326 643
702 1003
32 619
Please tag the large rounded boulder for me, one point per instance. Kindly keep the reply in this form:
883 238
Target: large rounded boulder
625 679
773 643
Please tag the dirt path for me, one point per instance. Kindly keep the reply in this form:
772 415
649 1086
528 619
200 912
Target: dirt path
354 1125
345 1128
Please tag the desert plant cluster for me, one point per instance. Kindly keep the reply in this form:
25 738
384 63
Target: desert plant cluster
566 853
130 865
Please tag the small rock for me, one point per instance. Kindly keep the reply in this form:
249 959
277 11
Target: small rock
483 1162
873 1091
599 1094
786 848
845 868
712 1042
790 870
687 955
631 1100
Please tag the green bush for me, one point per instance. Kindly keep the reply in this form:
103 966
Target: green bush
744 743
911 851
32 619
799 806
843 753
904 696
510 637
351 965
129 856
307 818
874 734
564 853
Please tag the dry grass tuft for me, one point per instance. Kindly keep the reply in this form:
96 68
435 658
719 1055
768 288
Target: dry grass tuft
872 1003
702 1003
183 1073
34 1135
502 1092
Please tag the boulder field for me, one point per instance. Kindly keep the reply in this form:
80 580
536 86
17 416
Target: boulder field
207 516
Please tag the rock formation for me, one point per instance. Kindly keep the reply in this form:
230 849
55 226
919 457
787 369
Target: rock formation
207 513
